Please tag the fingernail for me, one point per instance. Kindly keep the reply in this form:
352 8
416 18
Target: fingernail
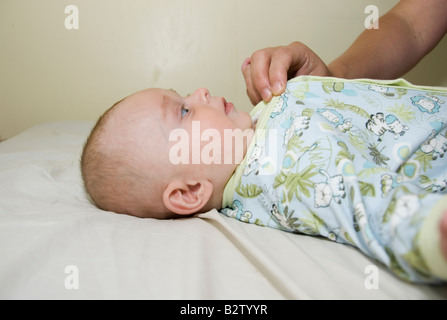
266 94
277 88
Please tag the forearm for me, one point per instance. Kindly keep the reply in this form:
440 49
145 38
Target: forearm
405 35
378 54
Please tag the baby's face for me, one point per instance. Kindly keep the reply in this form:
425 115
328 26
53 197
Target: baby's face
185 135
202 109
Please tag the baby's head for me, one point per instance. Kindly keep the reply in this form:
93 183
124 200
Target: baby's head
157 154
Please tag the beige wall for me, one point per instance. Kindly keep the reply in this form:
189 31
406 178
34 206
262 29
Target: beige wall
49 73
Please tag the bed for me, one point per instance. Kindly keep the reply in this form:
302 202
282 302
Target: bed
54 244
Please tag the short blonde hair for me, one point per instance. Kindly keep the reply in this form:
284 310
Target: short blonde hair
113 178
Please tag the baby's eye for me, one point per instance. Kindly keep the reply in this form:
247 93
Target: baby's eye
184 111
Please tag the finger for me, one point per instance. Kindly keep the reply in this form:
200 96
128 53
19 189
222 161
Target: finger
279 70
259 70
252 94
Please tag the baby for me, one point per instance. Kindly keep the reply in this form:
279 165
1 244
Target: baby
358 162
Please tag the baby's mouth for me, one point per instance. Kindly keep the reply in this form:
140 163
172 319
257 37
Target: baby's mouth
228 107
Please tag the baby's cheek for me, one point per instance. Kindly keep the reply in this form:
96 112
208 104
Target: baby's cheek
243 121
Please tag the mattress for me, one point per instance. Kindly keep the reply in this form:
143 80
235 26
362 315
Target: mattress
55 244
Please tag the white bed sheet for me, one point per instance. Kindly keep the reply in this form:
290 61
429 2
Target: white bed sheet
48 224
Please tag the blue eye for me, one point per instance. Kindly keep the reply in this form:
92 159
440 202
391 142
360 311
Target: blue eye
184 111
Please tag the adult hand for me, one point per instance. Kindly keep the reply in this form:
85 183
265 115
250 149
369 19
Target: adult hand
266 72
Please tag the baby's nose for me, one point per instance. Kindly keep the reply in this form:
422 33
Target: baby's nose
203 94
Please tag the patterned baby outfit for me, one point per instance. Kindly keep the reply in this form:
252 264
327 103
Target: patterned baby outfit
360 162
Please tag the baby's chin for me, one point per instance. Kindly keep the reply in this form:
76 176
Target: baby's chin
243 119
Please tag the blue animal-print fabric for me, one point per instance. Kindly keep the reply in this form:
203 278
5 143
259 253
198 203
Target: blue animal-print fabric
357 161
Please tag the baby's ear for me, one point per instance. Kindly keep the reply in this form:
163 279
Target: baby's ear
187 197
